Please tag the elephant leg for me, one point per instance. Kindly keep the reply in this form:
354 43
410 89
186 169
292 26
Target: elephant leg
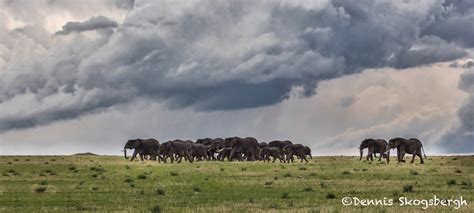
141 157
231 155
186 158
369 154
400 155
213 156
189 156
413 158
134 155
421 157
171 158
380 157
388 157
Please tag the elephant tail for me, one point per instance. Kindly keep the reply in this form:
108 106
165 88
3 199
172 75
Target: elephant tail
423 151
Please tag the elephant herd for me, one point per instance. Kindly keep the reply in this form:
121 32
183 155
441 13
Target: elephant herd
404 146
232 148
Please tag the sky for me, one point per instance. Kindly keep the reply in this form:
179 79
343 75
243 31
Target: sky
86 76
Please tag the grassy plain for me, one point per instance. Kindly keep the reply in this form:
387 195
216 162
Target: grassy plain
111 183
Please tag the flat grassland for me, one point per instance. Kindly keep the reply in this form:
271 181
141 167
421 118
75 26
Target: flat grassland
111 183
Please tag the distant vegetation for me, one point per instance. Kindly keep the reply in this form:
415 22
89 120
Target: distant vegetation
86 153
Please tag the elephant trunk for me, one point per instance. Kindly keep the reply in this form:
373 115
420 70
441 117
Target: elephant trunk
361 153
125 153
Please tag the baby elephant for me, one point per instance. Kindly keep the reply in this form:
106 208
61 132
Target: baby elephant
267 152
225 153
199 151
298 150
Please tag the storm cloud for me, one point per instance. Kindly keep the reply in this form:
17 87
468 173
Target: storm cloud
461 137
212 56
456 25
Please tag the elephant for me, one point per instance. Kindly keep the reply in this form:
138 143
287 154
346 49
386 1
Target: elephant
375 146
267 152
204 141
262 145
295 149
225 153
410 146
219 144
212 147
247 146
279 144
178 149
199 151
164 151
143 147
307 152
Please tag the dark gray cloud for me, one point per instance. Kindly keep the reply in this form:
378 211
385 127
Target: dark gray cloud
94 23
465 65
455 23
217 56
431 50
461 138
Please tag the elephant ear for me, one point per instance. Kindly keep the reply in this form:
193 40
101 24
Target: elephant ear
397 142
137 143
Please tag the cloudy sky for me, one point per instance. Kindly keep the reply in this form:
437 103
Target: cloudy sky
85 76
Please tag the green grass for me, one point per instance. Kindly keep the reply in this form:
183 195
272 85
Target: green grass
107 183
